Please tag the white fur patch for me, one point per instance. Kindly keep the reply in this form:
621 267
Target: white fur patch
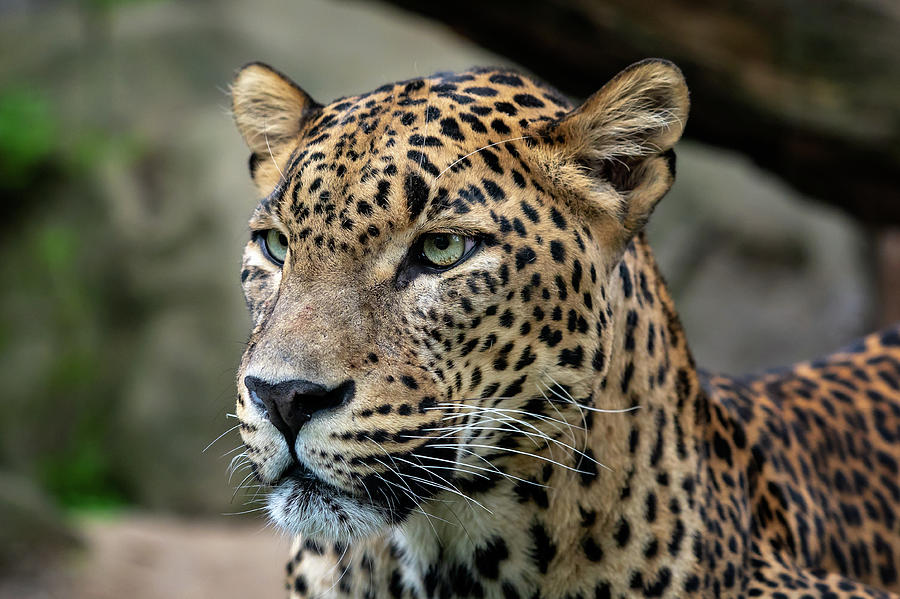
320 512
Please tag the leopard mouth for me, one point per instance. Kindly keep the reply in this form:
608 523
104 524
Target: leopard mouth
301 479
303 502
300 502
300 474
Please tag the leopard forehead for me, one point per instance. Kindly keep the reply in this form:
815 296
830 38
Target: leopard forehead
424 148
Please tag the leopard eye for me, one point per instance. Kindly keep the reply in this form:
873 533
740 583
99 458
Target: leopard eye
443 250
275 245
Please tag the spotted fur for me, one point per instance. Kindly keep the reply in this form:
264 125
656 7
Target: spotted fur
530 423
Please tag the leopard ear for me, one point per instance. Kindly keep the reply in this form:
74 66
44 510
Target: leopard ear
269 109
613 154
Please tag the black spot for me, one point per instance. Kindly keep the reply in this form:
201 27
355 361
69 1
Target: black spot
603 591
558 251
488 558
587 464
493 189
395 587
528 101
561 288
300 584
461 98
416 195
422 160
500 127
622 533
515 387
450 128
474 122
592 551
524 257
464 583
558 219
430 141
576 276
658 587
525 359
506 108
519 227
674 545
572 358
506 79
518 179
722 448
550 336
630 324
650 507
530 212
364 208
625 275
481 91
544 549
491 160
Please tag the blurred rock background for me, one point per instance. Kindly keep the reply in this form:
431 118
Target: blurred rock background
125 195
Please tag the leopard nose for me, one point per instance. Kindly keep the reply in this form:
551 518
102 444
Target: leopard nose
291 404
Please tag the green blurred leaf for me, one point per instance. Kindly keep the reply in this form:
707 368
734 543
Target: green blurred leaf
28 130
56 247
82 478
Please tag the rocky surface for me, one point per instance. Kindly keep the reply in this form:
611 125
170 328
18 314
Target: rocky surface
148 557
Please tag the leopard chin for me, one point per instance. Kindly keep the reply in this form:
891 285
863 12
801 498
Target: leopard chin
300 503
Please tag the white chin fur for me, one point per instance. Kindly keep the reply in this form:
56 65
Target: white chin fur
322 515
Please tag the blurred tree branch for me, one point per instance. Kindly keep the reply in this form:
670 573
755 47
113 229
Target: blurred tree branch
809 90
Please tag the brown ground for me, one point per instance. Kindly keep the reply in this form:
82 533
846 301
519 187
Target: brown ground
144 557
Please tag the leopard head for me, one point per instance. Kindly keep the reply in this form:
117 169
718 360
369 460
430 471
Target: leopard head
427 276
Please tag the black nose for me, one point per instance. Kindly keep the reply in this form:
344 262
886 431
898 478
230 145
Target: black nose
291 404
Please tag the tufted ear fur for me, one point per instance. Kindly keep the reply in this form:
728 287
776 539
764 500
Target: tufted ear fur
269 109
613 154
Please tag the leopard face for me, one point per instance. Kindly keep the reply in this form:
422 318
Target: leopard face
427 261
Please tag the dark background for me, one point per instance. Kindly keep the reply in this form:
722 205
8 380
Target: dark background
125 196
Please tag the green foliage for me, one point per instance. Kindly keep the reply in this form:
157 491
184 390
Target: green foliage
61 330
65 397
27 133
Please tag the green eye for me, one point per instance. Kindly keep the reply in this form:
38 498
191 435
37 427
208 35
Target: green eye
445 249
275 245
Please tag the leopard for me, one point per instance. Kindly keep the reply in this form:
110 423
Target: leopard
466 376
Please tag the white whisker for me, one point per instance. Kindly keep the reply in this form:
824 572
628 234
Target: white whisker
525 453
455 162
236 426
272 156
